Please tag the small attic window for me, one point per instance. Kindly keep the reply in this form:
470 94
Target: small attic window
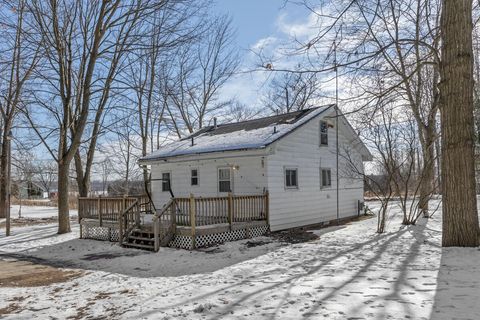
323 133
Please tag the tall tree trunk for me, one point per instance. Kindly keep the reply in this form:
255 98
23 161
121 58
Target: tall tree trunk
63 195
3 178
428 171
460 217
83 181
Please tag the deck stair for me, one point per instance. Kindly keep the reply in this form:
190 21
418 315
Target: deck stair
142 228
140 239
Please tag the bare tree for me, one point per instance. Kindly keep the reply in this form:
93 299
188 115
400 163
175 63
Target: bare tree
238 111
289 92
82 44
123 150
146 76
46 174
18 58
395 40
460 216
200 73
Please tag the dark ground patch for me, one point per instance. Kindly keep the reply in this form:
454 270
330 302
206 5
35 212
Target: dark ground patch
110 255
294 236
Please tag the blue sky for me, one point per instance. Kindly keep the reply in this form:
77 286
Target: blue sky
252 19
261 23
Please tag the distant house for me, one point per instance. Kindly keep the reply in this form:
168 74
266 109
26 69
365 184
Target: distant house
291 156
30 190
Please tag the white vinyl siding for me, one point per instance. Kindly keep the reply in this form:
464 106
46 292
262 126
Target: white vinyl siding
310 204
249 179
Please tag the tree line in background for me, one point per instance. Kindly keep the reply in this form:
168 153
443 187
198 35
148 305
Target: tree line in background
98 84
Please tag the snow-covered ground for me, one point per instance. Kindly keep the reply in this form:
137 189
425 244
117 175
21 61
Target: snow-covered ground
36 212
348 273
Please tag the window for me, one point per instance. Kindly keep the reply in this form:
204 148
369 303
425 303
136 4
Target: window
166 181
194 177
291 178
326 176
323 133
224 181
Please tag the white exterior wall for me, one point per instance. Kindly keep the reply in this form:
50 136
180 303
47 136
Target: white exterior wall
250 177
310 204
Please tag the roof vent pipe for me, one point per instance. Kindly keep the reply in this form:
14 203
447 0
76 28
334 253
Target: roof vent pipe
215 123
192 142
275 129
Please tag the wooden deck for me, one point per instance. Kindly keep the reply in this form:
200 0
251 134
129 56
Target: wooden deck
183 222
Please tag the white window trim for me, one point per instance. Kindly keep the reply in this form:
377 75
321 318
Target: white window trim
218 179
321 178
320 133
170 175
285 178
198 177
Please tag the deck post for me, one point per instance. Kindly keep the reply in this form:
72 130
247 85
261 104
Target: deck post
156 234
267 209
80 214
230 209
192 219
120 227
100 218
173 216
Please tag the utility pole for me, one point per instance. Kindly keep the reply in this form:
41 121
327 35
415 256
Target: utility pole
337 190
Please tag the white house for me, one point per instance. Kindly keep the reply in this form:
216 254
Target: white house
293 156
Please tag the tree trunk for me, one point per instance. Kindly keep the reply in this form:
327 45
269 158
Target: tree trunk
460 217
3 181
428 172
83 181
63 195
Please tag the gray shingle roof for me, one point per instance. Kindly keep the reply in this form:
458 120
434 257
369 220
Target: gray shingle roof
251 134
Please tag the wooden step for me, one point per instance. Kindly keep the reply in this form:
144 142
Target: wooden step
140 238
142 231
139 246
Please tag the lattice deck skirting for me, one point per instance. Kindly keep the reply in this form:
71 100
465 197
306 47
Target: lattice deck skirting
99 233
206 236
191 242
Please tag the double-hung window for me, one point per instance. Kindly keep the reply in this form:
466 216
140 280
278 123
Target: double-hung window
194 177
224 180
326 178
291 178
323 133
166 181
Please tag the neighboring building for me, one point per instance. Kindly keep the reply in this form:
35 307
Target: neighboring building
29 190
293 156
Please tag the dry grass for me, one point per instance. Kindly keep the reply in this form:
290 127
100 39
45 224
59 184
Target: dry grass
17 273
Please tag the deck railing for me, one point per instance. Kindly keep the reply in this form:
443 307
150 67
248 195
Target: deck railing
106 208
191 212
216 210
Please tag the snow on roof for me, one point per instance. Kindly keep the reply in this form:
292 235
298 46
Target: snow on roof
251 134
